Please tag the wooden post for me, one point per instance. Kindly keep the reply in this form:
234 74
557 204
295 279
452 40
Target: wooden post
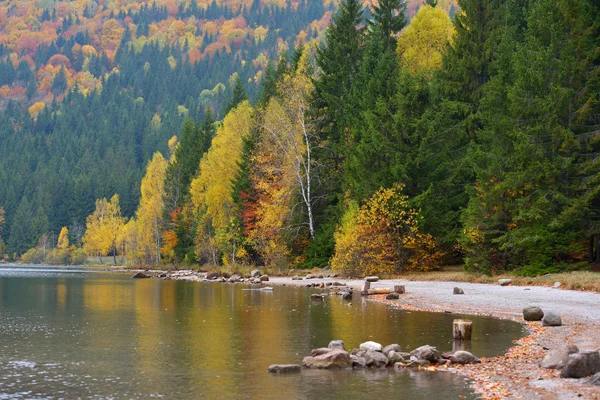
400 289
366 287
464 345
462 329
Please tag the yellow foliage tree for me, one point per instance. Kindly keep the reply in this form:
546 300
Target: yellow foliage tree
63 239
35 109
423 42
150 212
383 237
104 229
211 190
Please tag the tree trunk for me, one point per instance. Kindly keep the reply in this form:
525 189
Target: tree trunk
462 329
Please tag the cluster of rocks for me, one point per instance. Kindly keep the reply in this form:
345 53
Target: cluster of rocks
574 363
374 355
535 313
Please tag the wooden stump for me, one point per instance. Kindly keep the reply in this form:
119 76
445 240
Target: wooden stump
400 289
462 329
365 289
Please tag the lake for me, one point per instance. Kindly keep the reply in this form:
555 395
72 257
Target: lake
73 332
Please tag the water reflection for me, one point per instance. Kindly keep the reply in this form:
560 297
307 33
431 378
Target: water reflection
101 335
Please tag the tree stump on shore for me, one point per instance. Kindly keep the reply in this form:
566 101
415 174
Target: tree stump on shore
462 329
400 289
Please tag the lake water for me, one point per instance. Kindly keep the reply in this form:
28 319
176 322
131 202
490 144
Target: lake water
68 333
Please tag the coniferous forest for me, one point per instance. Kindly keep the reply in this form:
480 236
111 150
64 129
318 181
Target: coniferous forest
372 137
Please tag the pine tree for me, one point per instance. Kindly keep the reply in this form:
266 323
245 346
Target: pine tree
238 95
389 17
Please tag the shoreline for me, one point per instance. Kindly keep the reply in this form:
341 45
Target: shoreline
516 374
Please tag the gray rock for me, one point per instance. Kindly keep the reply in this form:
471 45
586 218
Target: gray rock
557 285
316 296
442 361
255 273
264 278
557 358
140 275
296 278
256 281
428 353
320 351
399 365
371 278
283 368
417 364
335 359
212 275
375 359
371 346
392 296
320 277
309 276
504 282
595 380
391 347
394 357
337 344
458 290
582 364
347 295
358 362
234 278
551 319
464 357
533 313
404 355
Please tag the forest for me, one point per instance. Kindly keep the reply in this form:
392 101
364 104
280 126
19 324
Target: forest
390 138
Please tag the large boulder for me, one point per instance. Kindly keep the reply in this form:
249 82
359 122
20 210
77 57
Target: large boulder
371 346
347 295
335 359
582 364
375 359
394 357
428 353
283 368
464 357
212 275
551 319
458 290
255 273
358 362
391 347
140 275
264 278
595 380
337 344
533 313
557 358
234 278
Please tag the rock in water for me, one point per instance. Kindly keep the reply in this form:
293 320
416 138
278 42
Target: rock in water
533 313
428 353
557 358
337 344
464 357
371 278
375 359
283 368
358 362
458 291
320 351
255 274
140 275
582 364
212 275
391 347
347 295
316 296
392 296
551 319
394 358
504 282
264 278
371 346
335 359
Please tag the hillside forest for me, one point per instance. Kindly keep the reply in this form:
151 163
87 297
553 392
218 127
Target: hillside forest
371 137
